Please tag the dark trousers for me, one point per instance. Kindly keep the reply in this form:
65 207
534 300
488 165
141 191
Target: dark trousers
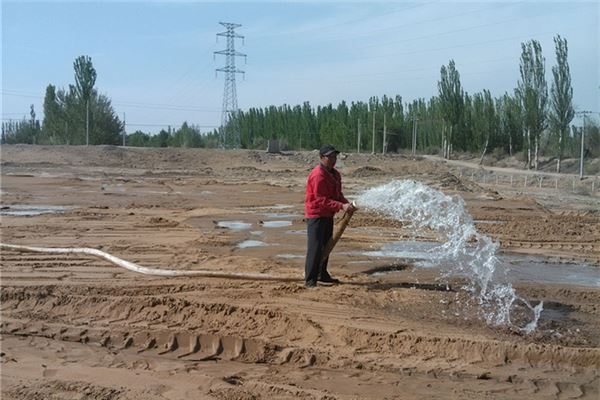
319 232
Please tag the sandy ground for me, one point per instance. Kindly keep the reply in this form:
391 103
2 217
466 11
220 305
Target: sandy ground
77 327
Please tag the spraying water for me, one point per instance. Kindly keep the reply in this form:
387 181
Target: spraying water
464 251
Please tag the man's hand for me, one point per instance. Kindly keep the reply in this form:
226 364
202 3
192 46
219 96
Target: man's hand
349 208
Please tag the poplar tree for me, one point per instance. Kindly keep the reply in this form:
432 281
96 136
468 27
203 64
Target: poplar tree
85 79
511 121
484 119
533 95
561 96
54 120
451 97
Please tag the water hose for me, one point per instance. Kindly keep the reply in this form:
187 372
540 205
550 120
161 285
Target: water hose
340 228
144 270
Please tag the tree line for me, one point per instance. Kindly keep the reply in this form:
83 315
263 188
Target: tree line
529 121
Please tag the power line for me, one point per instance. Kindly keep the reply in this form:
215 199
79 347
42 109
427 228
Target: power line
285 57
165 107
472 44
132 104
353 21
177 124
191 71
186 79
402 71
468 28
5 93
420 22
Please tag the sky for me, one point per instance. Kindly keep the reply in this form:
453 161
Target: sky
155 59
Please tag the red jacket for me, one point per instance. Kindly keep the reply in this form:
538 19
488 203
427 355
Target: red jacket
323 193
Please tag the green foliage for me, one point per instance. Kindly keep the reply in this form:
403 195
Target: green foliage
451 94
521 155
54 121
66 111
561 96
533 93
333 132
186 136
23 131
160 140
85 78
592 138
510 120
497 121
138 139
498 153
106 128
451 97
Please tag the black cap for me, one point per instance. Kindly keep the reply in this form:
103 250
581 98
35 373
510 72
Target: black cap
328 149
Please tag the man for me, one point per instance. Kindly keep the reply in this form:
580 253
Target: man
324 198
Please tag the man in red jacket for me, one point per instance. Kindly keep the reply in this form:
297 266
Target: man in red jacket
324 198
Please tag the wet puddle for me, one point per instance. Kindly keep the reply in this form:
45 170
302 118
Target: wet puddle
555 313
25 210
410 249
234 225
251 243
519 268
545 270
275 224
290 256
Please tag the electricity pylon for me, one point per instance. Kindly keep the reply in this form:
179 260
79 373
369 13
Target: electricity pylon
229 133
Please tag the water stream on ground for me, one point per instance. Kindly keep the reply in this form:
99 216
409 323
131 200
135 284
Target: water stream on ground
519 267
463 252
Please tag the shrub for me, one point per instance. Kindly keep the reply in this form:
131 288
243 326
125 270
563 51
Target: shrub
521 155
498 153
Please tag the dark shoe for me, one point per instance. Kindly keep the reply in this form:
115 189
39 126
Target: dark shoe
310 284
329 279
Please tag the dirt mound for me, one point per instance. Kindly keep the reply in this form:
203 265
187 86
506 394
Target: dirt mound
367 171
450 181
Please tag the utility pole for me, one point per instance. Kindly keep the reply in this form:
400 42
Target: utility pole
414 136
124 129
373 151
358 139
584 113
383 146
87 122
229 135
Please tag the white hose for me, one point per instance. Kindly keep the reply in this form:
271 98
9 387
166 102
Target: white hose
143 270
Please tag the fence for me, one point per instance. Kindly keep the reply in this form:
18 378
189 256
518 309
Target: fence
530 181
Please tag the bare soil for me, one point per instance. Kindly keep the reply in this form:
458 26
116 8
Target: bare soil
77 327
